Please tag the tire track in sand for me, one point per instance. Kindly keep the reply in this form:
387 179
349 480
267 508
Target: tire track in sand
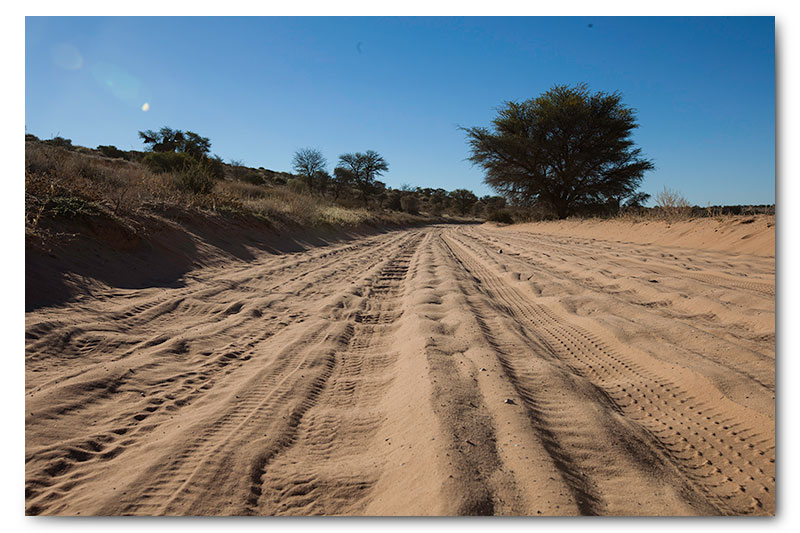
728 460
264 422
324 471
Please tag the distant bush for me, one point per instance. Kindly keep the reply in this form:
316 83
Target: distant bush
463 200
112 151
500 215
168 161
410 204
136 156
296 185
256 178
60 142
393 200
31 137
672 204
435 208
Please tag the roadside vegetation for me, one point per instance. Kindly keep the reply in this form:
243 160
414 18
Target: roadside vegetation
176 173
566 153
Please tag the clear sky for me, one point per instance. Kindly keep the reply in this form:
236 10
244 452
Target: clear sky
260 88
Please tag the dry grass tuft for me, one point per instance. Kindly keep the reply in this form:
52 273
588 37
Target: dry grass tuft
672 205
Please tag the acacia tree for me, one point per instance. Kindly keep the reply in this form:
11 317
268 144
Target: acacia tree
568 149
168 140
463 200
362 170
309 162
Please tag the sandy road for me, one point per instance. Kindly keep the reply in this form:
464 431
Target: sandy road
414 372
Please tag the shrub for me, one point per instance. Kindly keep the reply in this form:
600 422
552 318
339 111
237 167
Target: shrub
410 204
215 166
196 178
60 142
672 204
256 178
500 215
296 185
168 161
393 200
111 151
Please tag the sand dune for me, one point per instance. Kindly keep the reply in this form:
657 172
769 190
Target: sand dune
431 371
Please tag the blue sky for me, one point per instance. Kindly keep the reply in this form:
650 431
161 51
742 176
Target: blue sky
260 88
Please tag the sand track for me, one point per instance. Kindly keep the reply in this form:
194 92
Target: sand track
445 370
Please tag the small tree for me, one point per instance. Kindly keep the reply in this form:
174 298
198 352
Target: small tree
195 145
164 140
168 140
307 163
363 168
463 200
567 149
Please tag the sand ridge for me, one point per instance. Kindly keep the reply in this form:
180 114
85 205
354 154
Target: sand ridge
431 371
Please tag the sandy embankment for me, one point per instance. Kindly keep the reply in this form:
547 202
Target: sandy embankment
439 370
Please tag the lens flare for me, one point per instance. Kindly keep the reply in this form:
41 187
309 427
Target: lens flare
146 107
122 84
67 57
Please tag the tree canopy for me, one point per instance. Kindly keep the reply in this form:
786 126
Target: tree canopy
361 169
568 149
309 162
463 200
168 140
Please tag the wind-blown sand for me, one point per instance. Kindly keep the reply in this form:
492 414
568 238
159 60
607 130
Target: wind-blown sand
434 371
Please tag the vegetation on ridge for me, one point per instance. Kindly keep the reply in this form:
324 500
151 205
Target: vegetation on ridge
70 182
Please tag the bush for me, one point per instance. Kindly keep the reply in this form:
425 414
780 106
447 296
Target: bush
410 204
60 142
393 200
196 178
296 185
500 215
168 161
253 177
672 204
111 151
215 166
